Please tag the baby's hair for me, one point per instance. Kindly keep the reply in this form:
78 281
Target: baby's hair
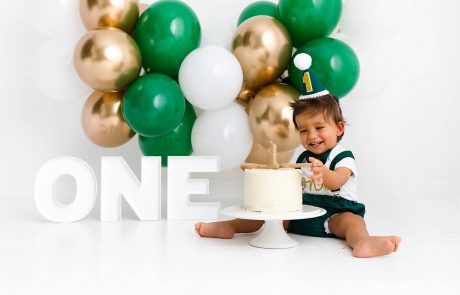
327 104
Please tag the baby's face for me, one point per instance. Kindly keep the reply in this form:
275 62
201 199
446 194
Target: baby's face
317 133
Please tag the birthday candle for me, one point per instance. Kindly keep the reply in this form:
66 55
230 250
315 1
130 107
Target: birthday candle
275 162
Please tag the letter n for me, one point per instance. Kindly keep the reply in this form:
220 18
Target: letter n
118 181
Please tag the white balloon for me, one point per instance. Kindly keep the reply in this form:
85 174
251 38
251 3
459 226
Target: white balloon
55 18
53 72
224 132
375 20
210 77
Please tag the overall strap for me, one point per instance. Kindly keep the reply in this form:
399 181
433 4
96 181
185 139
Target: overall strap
340 156
303 158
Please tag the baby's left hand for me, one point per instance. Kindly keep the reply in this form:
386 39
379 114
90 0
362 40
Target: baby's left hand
317 168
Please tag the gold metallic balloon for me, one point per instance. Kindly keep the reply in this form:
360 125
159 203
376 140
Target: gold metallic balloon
103 121
121 14
263 47
270 117
261 155
107 59
245 96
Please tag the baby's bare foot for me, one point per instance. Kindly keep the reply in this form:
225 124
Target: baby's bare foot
220 230
376 246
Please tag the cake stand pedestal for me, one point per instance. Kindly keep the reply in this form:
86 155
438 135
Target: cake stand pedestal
273 235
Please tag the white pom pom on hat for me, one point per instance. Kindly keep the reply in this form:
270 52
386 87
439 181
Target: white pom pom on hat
302 61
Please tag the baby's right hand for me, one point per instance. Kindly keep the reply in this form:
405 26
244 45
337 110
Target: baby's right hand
317 168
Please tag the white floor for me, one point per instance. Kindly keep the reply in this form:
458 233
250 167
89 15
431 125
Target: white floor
165 257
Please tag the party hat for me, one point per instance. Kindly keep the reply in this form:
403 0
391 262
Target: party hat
312 87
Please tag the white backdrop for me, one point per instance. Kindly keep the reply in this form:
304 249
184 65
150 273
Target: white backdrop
402 114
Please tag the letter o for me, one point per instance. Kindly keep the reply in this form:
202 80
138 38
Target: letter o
45 192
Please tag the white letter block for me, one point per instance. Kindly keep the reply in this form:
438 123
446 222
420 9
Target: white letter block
180 187
118 180
45 193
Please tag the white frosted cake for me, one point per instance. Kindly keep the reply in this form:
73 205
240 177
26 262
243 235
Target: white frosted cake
272 190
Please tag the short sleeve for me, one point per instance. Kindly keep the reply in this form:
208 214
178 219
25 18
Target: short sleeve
349 163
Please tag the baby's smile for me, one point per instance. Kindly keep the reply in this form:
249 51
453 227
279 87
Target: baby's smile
316 143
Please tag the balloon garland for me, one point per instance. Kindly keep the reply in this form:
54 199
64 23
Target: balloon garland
164 41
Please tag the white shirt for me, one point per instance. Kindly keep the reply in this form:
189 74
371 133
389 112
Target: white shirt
348 190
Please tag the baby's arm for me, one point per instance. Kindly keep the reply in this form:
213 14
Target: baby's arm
331 179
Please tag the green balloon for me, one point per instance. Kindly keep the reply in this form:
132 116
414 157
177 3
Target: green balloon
334 62
309 19
153 105
175 143
259 8
166 32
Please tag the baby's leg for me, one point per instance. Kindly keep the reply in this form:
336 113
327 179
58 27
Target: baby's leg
226 229
352 228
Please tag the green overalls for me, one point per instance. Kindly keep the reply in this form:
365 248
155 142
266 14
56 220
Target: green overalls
332 204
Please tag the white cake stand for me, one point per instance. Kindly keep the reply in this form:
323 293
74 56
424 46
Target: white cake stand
273 235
